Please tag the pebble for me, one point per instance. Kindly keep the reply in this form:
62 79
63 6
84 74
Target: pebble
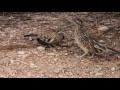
42 75
101 41
11 17
30 38
98 73
21 52
108 36
51 54
103 28
66 54
118 56
84 13
55 59
32 65
69 73
60 75
113 69
41 48
91 73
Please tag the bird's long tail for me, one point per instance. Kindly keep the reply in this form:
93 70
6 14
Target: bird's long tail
116 51
104 48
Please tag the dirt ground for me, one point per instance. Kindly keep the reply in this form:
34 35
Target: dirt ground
64 62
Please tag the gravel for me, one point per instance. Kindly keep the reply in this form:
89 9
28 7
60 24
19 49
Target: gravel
53 63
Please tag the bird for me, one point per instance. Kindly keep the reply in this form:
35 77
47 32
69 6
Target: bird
87 43
47 38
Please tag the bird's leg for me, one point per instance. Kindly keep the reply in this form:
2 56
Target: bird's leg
85 53
93 54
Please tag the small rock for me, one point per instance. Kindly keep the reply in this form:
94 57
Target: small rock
101 41
118 56
66 54
69 73
32 65
108 36
21 52
12 61
60 75
55 59
42 74
41 48
84 13
51 54
14 42
98 73
30 38
103 28
11 17
91 73
113 69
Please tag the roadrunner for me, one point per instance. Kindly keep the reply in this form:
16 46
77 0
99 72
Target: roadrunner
86 42
47 38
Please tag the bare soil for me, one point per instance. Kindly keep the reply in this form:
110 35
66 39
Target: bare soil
63 62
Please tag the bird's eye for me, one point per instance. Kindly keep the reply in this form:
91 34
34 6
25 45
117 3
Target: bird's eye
49 39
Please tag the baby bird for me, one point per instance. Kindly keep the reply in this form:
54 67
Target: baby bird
47 38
